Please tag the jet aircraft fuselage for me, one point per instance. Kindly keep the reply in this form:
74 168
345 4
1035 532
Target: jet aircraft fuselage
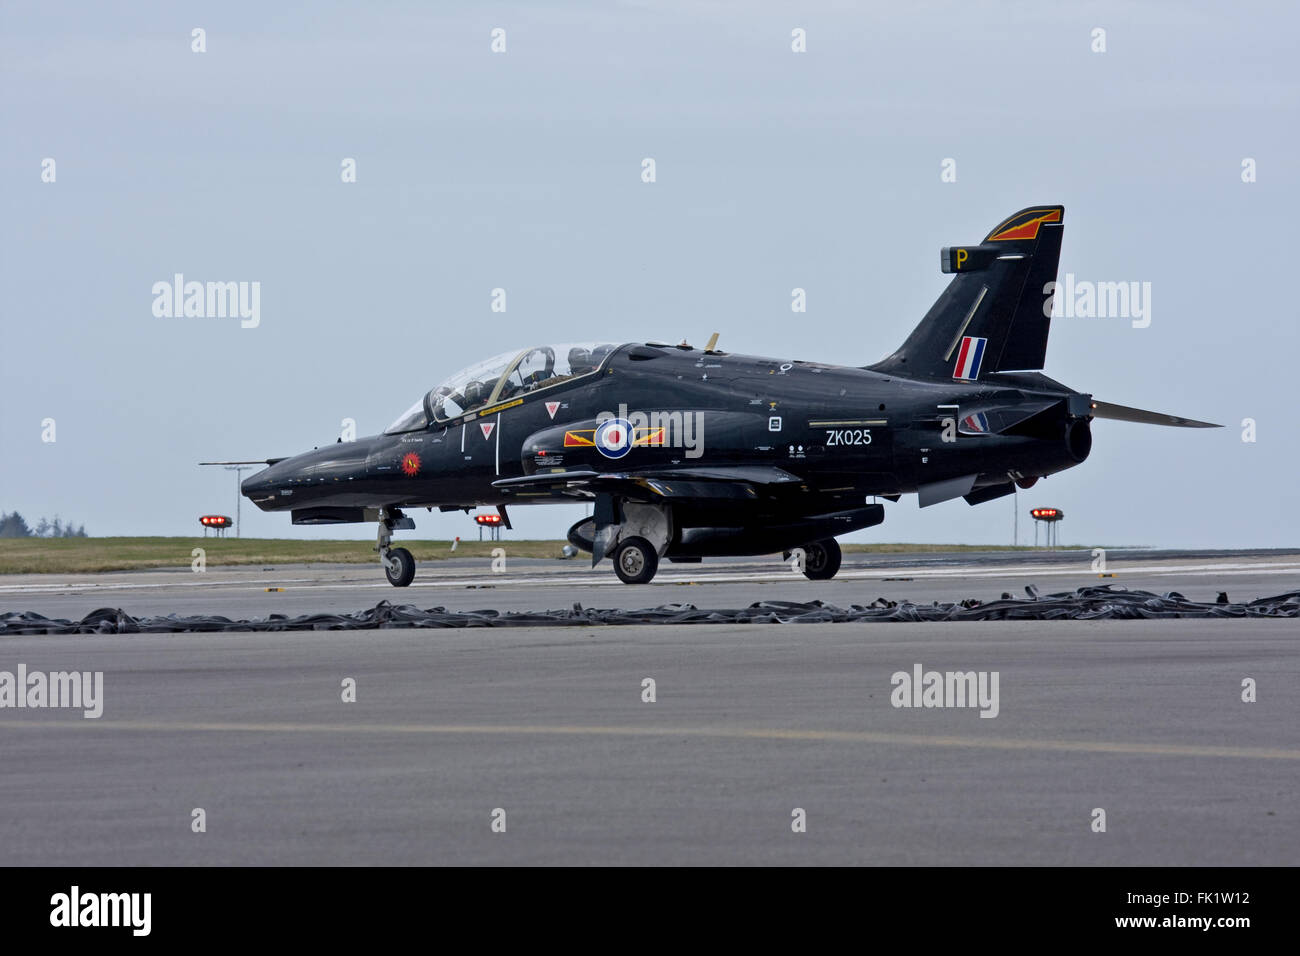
686 453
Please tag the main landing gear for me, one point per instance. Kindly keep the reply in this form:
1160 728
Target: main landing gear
640 532
398 564
635 561
821 559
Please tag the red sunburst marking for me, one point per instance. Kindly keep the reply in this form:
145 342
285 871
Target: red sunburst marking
411 463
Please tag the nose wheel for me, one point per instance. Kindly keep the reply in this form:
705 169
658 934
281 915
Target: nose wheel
398 564
399 567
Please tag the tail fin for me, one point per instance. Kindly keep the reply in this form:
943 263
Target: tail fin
994 315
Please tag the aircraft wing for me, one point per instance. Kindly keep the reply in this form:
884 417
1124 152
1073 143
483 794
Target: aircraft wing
651 484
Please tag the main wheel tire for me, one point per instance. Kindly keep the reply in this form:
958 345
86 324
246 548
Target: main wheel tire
635 561
821 560
405 573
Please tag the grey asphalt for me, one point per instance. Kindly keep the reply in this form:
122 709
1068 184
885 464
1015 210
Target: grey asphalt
537 584
1142 719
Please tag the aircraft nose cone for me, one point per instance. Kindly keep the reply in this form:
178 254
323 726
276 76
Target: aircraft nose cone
258 485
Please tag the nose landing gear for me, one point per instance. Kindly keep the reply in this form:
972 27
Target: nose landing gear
398 564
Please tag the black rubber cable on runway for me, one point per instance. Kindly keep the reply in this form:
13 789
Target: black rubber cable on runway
1103 603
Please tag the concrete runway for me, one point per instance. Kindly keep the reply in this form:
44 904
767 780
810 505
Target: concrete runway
537 584
1142 719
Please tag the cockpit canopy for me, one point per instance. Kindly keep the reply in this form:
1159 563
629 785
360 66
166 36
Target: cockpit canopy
501 378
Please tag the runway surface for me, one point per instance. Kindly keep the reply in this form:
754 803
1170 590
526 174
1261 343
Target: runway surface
537 584
1144 720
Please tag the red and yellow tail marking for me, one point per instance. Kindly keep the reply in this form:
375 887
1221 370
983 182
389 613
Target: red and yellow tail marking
1027 229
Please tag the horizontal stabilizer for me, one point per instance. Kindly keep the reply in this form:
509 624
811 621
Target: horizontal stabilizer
1122 413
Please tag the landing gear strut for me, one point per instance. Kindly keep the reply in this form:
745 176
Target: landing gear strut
398 564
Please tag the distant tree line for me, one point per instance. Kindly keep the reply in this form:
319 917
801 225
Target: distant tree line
13 526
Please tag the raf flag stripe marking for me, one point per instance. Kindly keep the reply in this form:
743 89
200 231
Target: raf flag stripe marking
969 358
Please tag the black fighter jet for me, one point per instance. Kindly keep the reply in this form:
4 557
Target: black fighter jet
686 453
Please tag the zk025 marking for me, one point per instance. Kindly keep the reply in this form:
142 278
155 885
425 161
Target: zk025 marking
848 436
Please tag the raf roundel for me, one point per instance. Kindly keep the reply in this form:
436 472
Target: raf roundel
614 438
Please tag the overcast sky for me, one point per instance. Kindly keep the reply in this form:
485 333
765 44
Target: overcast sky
522 170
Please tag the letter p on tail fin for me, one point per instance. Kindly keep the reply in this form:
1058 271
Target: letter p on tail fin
994 316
